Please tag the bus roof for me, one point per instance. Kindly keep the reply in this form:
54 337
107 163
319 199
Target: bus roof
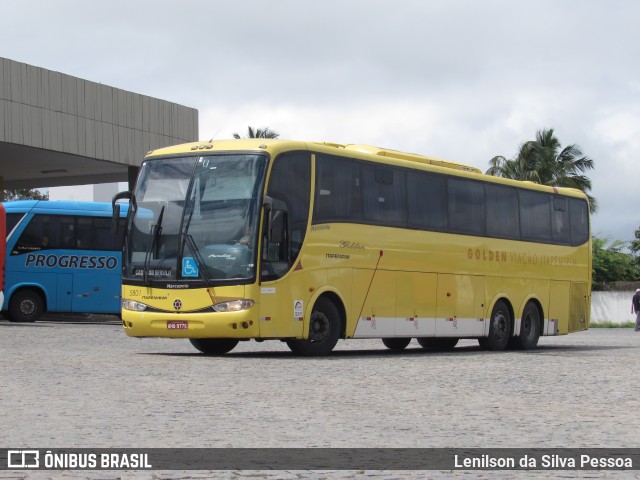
365 152
63 207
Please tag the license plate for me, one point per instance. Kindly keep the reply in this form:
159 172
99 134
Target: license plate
177 325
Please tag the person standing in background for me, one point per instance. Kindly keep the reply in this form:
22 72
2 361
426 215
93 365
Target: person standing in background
635 308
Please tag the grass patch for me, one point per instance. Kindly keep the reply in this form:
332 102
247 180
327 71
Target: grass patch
612 325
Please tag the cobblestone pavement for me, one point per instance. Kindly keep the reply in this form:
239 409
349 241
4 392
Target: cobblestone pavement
81 382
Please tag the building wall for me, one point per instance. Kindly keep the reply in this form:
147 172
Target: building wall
611 307
50 110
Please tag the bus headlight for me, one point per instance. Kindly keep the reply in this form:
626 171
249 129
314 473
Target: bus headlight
234 305
133 305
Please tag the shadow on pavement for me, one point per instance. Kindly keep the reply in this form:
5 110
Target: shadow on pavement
51 319
466 350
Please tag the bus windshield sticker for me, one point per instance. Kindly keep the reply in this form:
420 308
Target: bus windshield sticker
189 267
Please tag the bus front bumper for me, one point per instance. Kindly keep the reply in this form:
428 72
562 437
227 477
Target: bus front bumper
240 324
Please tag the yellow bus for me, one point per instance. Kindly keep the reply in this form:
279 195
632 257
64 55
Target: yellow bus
309 243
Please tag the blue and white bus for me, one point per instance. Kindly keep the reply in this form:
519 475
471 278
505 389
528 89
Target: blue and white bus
61 257
3 246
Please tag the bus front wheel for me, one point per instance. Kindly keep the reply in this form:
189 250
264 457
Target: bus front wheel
214 346
324 331
25 306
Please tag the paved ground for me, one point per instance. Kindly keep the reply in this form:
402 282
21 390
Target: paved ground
83 383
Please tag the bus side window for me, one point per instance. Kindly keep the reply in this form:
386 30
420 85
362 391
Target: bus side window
427 201
502 212
561 228
579 221
338 190
466 206
104 238
33 238
290 188
535 216
384 196
67 233
85 232
12 220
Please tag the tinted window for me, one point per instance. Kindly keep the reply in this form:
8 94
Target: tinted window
466 206
290 183
358 191
502 211
535 216
95 234
338 190
579 211
384 195
426 198
560 225
46 232
12 221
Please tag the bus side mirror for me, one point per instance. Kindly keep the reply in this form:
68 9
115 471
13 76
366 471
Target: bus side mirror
275 220
277 226
115 217
268 210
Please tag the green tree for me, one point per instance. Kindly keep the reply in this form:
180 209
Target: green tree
611 264
635 246
259 133
24 194
544 161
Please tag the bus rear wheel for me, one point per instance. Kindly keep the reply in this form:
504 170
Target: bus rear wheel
26 306
214 346
324 331
441 344
499 328
529 329
396 343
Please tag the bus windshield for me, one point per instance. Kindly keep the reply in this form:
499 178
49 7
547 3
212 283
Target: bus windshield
196 218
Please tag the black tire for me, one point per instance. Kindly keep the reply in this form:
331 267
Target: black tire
441 344
26 306
529 329
324 331
499 328
396 343
214 346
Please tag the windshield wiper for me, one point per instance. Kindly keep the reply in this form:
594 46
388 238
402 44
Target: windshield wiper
155 234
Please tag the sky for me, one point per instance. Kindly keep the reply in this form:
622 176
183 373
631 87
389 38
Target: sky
461 80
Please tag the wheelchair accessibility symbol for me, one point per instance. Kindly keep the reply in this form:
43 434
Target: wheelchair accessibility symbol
189 267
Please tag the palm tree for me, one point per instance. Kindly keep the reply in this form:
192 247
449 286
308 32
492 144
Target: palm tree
259 133
544 161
